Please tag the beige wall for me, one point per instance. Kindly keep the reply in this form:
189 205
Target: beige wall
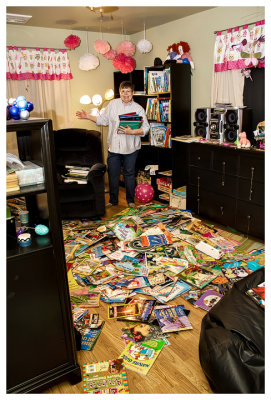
197 30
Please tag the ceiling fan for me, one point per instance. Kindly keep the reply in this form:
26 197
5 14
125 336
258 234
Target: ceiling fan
103 10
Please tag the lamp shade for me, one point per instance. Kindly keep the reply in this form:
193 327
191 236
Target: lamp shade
95 112
85 99
109 94
97 99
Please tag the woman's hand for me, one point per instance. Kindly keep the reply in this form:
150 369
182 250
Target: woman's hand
82 114
127 130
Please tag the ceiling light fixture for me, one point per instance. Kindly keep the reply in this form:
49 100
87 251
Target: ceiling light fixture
18 18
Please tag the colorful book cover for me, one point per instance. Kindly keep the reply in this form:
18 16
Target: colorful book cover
141 332
87 300
258 294
145 309
122 310
172 318
140 357
90 337
179 288
134 283
235 274
105 377
208 299
198 276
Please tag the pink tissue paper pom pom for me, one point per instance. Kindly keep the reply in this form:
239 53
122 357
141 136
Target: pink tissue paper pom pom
126 47
101 46
72 41
110 55
123 63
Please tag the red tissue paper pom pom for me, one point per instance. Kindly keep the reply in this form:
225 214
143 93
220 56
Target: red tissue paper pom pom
126 47
110 55
101 46
72 41
123 63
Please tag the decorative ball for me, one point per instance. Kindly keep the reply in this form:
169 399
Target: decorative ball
41 229
29 106
19 98
11 101
24 114
110 55
14 112
72 41
123 63
144 46
101 46
88 61
144 192
126 47
21 104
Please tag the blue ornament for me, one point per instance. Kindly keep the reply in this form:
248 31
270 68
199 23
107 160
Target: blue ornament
19 98
14 112
21 104
41 229
29 106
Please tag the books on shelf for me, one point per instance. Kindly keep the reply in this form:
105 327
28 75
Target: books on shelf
158 109
160 135
158 81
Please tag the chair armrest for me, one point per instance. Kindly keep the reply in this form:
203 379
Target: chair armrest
97 170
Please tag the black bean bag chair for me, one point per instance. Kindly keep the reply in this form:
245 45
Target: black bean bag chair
231 347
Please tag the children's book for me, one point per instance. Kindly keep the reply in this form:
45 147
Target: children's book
102 275
122 310
105 377
134 283
235 274
258 294
198 276
208 299
132 268
145 309
90 337
86 300
141 332
172 318
179 288
139 357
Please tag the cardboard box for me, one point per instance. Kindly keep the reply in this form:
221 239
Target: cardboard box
178 198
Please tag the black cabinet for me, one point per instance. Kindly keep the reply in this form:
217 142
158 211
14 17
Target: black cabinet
40 336
226 184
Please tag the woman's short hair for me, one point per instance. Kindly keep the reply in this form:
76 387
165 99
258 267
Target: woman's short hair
126 85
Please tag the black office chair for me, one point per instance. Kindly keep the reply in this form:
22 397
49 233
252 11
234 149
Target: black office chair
80 147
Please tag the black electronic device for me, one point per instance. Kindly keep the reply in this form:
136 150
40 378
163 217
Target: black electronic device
223 123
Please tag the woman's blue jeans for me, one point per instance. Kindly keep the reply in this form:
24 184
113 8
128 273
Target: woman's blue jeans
114 163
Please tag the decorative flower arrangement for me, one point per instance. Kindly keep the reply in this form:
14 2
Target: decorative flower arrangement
126 47
124 63
88 61
110 55
144 46
101 46
72 41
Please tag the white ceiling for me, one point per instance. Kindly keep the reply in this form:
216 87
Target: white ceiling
120 20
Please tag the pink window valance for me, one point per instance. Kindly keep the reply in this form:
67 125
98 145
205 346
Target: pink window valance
239 49
38 64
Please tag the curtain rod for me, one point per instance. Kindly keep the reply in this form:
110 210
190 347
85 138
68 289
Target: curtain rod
221 30
38 47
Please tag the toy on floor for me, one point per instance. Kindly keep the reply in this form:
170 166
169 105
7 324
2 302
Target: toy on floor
243 141
144 192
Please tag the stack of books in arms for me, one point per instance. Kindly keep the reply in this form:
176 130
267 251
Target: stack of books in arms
133 120
76 174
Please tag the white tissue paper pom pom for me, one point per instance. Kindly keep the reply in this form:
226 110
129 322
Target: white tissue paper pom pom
88 61
144 46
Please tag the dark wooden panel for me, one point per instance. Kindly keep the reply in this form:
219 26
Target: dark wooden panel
253 192
200 156
252 165
250 219
225 161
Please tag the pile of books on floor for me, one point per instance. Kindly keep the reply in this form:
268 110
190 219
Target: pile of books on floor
76 174
139 263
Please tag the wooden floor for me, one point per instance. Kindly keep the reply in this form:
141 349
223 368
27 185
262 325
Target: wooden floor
177 370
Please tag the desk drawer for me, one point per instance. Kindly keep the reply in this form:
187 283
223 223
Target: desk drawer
252 166
253 192
209 180
200 156
225 161
250 219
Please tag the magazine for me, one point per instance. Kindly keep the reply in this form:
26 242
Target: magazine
122 310
105 377
139 357
198 276
141 332
172 318
208 299
86 300
90 337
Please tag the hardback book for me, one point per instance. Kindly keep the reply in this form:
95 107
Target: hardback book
172 318
208 299
90 336
105 377
140 357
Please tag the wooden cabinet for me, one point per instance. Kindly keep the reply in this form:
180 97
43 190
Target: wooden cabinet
41 346
227 186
